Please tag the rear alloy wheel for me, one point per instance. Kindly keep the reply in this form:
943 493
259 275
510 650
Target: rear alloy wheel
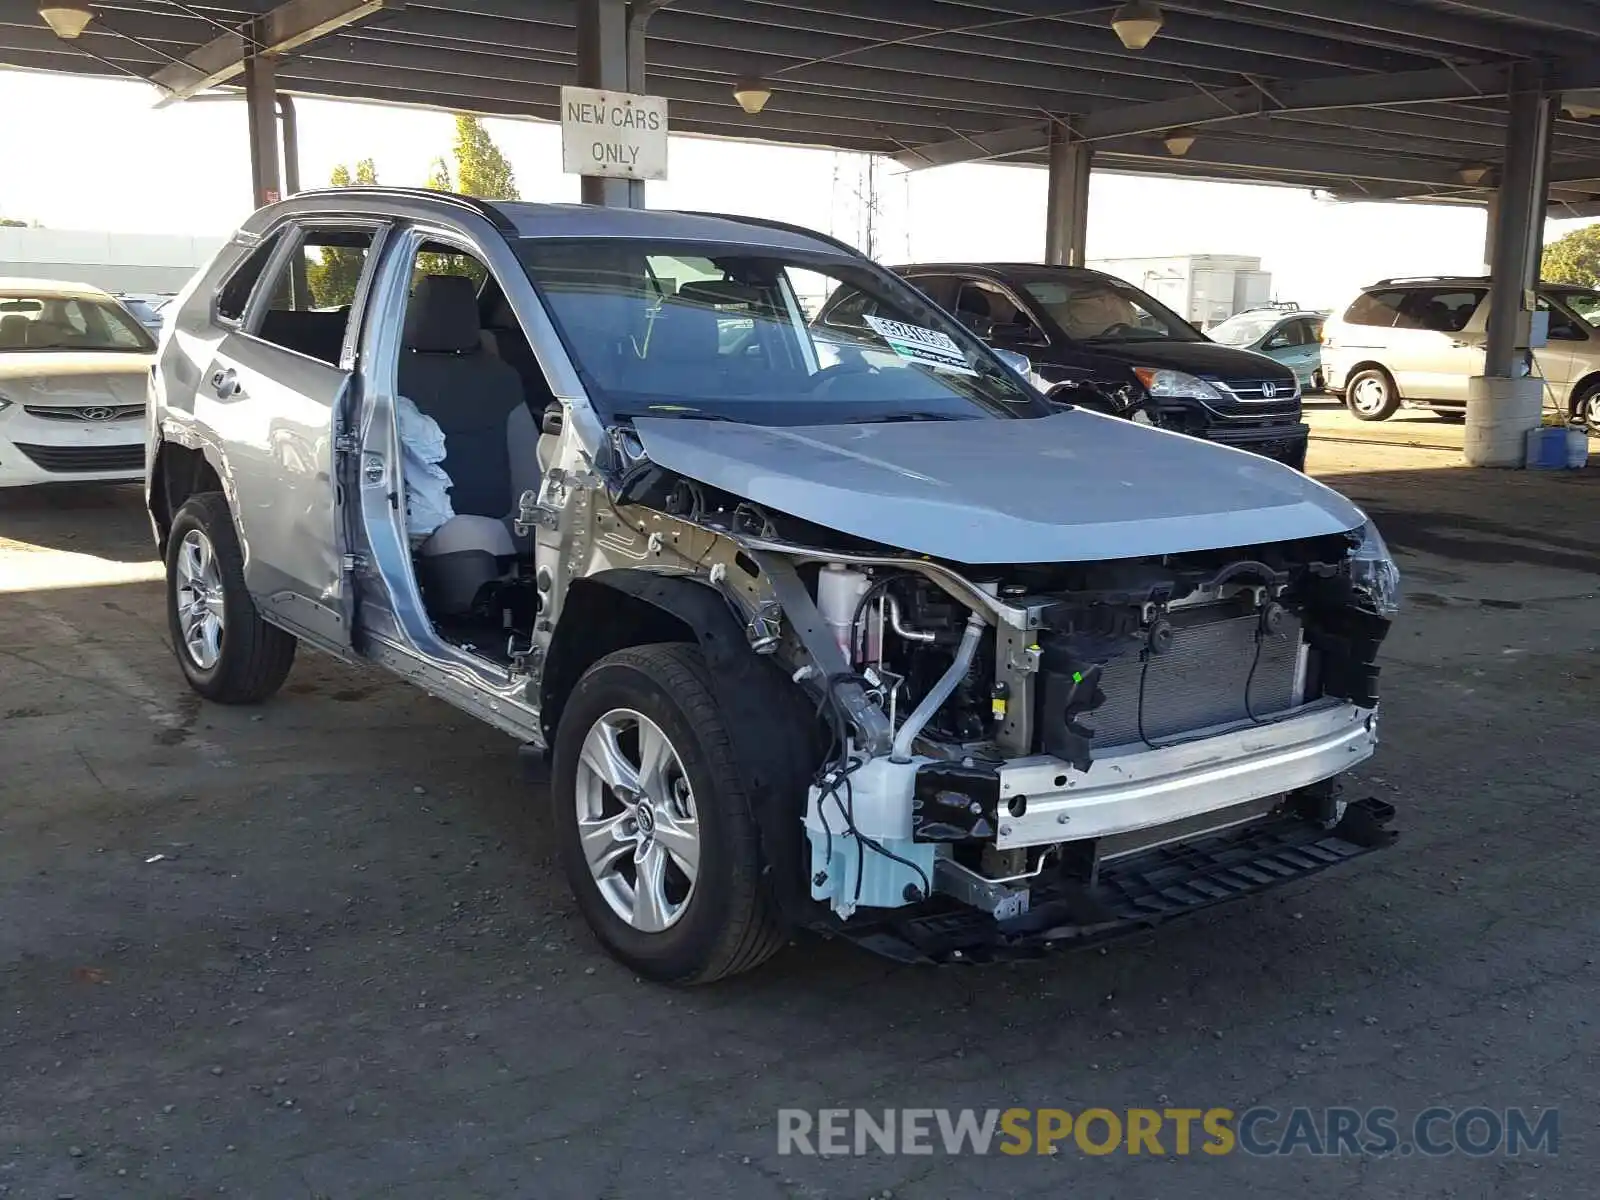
653 821
227 652
1370 395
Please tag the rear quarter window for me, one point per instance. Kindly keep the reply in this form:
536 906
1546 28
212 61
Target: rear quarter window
234 294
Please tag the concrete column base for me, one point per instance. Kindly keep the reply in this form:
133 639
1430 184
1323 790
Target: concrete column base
1499 414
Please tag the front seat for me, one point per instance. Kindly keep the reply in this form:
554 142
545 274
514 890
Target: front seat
491 440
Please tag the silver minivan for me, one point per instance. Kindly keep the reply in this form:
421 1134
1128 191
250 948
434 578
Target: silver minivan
1416 342
843 629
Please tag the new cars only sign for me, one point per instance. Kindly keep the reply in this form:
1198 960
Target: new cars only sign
613 133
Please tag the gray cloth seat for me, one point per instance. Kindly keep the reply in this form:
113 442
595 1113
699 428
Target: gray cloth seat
490 437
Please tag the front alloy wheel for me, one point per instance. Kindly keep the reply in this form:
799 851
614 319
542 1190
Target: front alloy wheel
636 820
654 821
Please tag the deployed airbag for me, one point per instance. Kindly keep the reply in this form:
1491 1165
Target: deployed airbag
427 484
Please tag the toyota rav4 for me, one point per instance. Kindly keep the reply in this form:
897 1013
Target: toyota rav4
837 627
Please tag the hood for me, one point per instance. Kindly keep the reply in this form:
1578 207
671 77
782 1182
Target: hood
1205 359
1072 487
55 377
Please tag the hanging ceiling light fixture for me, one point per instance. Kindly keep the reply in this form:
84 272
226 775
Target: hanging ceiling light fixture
66 21
1179 142
1136 23
752 95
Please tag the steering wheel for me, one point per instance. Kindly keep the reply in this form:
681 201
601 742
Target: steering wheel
854 366
1121 327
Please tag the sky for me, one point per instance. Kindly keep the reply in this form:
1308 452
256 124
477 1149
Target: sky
130 167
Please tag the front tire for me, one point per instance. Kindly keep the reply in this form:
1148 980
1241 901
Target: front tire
1370 395
1586 407
653 823
227 652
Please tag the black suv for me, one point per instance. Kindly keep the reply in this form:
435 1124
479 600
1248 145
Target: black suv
1099 342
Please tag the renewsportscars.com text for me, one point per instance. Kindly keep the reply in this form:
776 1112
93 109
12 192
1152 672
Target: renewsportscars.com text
1319 1132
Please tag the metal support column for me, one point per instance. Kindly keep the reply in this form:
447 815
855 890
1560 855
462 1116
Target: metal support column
1506 401
611 56
291 144
1522 196
1541 208
1066 231
261 103
1492 215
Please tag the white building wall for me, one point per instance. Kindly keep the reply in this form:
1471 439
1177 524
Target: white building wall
1202 288
117 262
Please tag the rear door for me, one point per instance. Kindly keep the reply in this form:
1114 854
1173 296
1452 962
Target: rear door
1436 344
276 393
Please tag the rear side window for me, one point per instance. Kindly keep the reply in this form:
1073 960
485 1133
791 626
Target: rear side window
311 295
234 295
1440 310
1375 308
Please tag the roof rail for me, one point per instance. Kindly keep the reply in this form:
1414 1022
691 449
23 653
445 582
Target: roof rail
1427 279
785 226
482 208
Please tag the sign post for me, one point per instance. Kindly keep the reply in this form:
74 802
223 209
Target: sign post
618 135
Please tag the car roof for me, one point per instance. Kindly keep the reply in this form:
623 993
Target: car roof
1419 281
1008 270
525 219
16 286
1286 313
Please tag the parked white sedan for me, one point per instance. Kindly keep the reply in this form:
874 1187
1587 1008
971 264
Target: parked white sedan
74 370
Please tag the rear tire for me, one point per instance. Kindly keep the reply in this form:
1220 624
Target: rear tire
226 651
1453 415
1370 395
653 915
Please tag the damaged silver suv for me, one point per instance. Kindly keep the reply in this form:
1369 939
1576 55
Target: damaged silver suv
841 628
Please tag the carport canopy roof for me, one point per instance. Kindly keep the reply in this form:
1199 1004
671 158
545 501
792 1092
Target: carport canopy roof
1379 99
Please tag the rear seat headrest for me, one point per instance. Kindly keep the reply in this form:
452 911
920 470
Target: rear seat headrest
442 317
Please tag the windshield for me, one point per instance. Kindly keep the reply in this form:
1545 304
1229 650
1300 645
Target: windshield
1095 308
1585 304
1243 329
32 323
762 336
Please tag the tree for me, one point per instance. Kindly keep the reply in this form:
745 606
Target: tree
481 170
1574 258
12 223
332 280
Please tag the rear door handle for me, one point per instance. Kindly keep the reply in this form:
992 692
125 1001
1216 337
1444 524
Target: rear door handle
225 382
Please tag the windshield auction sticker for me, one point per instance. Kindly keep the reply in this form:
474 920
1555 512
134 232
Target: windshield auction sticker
926 346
